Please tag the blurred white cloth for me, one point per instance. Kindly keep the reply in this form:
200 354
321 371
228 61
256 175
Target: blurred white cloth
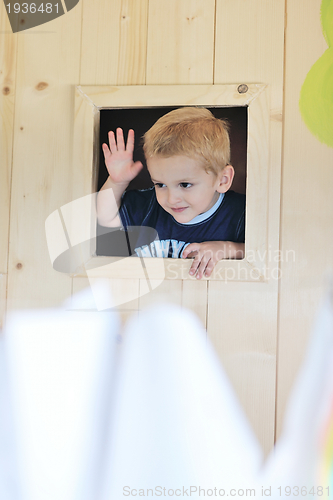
177 420
9 484
297 457
78 422
60 372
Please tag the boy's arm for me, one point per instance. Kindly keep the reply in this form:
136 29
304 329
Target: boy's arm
207 254
122 169
108 203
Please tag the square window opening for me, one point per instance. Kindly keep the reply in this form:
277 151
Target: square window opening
140 120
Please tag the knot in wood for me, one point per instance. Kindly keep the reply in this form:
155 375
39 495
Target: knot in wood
19 265
6 90
42 85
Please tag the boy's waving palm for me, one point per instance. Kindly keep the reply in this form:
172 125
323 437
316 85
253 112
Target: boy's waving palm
119 159
122 169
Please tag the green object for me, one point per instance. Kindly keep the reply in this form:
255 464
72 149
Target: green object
316 99
327 20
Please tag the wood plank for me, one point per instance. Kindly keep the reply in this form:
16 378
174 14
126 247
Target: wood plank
180 41
169 269
249 44
107 96
118 290
116 54
249 47
242 327
257 180
166 292
307 209
48 66
194 297
8 53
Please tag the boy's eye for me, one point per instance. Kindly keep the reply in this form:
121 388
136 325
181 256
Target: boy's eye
185 184
159 185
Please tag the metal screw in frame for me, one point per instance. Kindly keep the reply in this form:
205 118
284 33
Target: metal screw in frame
242 89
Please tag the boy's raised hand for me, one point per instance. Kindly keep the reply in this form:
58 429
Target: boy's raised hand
119 159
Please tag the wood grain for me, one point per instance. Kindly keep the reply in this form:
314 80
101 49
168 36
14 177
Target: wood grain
180 41
249 44
48 66
242 327
116 54
169 269
194 297
307 209
165 292
8 53
119 291
249 47
107 96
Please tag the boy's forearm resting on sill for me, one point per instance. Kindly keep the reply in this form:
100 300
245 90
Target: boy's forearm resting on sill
207 254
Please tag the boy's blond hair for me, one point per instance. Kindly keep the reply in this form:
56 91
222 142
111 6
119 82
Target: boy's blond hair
192 132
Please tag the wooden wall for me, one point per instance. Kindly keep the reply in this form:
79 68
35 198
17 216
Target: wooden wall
306 202
127 42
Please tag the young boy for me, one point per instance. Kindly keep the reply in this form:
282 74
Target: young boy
190 205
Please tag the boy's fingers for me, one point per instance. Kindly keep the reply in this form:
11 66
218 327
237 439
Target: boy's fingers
209 268
202 267
193 268
192 247
112 142
106 151
120 140
195 264
130 141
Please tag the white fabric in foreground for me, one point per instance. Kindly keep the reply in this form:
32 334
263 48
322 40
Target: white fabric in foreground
9 484
61 372
74 426
177 420
296 458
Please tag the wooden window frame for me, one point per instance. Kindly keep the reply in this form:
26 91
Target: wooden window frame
89 100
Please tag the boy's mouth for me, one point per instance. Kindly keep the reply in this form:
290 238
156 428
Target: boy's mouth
177 210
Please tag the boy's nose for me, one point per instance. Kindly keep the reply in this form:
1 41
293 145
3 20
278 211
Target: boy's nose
173 197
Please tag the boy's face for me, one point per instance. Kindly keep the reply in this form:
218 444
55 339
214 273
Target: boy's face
183 188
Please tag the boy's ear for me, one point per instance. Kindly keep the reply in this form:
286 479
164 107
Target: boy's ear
225 177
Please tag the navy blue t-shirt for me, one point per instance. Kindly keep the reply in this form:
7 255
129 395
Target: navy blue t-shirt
223 222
